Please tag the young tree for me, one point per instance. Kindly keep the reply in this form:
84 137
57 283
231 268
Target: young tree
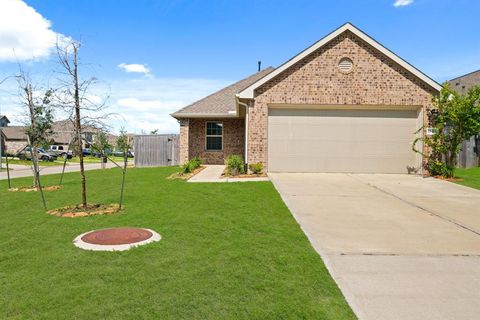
75 99
40 117
101 145
124 144
455 118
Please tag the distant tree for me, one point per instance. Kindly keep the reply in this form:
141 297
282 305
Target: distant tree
123 144
154 131
39 112
101 145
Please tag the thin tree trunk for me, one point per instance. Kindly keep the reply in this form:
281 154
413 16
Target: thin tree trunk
78 126
33 144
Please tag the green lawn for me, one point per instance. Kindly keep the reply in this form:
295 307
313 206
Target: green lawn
88 159
471 177
229 251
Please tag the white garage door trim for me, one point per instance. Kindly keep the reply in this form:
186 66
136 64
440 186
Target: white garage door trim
334 129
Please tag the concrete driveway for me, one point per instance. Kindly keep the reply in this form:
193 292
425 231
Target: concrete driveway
399 246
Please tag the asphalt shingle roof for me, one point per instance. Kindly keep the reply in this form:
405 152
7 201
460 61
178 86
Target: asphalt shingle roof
221 102
14 132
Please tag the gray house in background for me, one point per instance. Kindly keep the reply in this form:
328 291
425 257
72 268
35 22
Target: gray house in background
3 123
470 154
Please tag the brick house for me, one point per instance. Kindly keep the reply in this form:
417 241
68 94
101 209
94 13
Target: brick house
345 104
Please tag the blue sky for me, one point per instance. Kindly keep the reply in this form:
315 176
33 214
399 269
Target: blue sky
182 50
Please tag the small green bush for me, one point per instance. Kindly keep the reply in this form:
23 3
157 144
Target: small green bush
438 168
191 165
256 168
235 165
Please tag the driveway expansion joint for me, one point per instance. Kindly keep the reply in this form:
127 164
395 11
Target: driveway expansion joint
458 224
384 254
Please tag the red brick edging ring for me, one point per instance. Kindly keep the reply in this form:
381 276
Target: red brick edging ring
115 239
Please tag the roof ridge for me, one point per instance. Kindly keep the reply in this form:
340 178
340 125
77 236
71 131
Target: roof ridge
466 74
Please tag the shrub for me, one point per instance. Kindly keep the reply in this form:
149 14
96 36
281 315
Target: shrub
256 168
191 165
235 165
438 168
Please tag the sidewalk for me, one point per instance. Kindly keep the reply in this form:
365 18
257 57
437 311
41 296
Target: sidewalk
20 171
213 173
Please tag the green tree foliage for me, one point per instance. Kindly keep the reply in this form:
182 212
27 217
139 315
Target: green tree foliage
123 142
41 118
101 143
455 119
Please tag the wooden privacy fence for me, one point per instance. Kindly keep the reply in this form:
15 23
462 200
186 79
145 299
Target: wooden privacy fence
156 150
469 154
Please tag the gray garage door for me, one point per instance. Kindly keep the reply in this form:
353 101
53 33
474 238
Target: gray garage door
368 141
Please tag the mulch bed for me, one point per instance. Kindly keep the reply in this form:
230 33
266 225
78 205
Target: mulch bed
93 209
448 179
116 236
261 175
34 189
185 176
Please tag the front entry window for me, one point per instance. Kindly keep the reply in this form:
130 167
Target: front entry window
214 136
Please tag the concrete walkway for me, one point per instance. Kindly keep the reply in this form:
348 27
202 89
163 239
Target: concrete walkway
213 173
20 171
399 246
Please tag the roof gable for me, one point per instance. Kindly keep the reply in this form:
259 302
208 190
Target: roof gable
248 93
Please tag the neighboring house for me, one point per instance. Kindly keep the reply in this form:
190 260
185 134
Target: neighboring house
345 104
470 154
463 83
15 138
3 123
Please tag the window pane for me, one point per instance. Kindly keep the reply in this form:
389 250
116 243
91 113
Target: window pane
214 143
214 128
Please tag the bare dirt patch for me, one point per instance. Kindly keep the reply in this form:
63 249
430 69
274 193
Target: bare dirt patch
34 189
93 209
185 176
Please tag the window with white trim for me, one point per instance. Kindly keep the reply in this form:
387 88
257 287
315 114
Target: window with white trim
214 136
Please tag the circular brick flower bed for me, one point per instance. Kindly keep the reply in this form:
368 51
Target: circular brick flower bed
115 239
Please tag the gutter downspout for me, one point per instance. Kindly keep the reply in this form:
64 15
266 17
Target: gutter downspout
246 129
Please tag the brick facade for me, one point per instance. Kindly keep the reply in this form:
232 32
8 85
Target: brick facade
317 80
183 141
192 140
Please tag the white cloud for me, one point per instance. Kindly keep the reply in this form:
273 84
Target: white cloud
136 104
24 33
146 104
402 3
134 68
139 105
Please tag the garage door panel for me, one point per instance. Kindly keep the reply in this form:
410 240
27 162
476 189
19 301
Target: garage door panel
341 140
